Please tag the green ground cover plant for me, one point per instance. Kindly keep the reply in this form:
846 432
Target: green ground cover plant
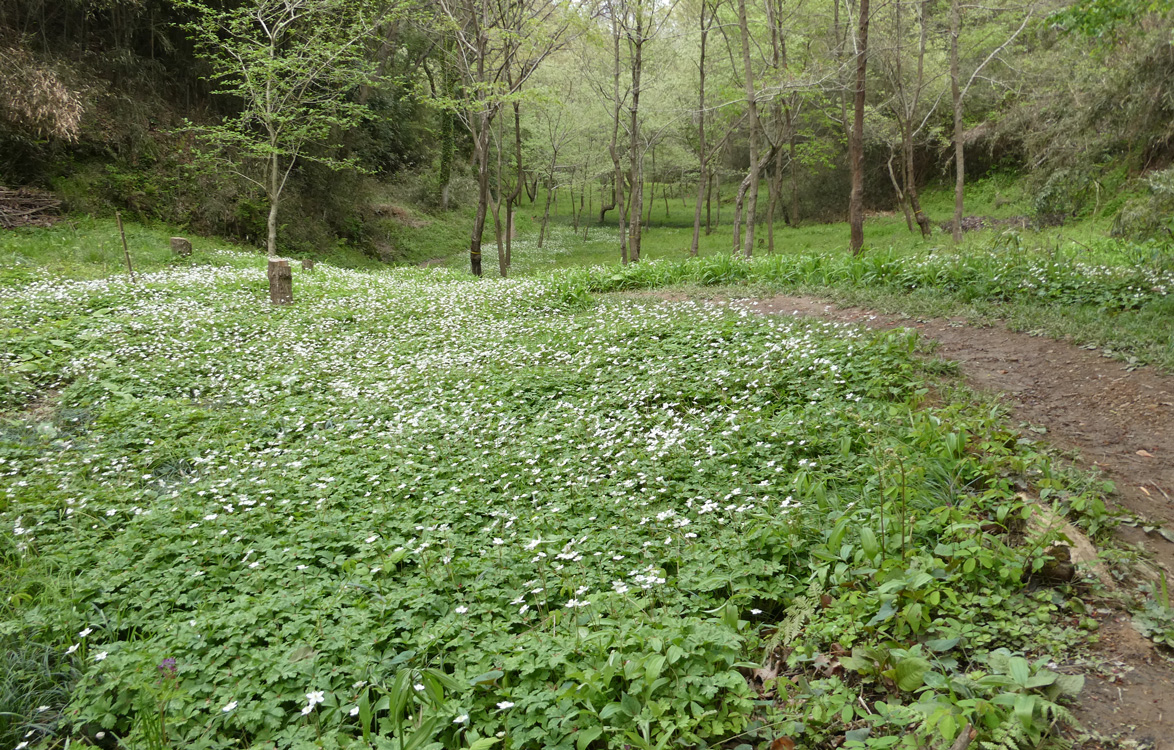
418 510
1097 298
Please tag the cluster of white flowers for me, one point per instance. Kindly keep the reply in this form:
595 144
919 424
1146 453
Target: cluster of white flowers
313 698
366 447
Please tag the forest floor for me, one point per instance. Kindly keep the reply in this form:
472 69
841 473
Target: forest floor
1115 418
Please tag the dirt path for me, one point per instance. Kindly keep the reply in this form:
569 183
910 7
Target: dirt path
1118 420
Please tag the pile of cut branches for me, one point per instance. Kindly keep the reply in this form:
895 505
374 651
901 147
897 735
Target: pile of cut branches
25 207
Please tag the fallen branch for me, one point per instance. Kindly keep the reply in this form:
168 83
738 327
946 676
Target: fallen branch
965 738
26 207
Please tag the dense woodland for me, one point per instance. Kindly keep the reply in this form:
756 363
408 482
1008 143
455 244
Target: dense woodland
785 111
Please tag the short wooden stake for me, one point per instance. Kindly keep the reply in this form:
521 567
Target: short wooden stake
125 250
181 246
308 265
280 282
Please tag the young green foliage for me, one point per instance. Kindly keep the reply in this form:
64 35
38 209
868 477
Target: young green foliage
293 65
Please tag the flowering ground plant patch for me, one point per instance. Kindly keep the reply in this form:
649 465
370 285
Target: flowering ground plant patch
413 510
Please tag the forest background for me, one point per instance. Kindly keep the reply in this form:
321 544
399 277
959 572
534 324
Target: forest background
472 110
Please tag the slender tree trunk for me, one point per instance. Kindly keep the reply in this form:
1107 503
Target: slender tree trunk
752 108
582 201
651 192
772 201
956 97
898 191
793 167
590 197
717 178
515 197
841 44
856 143
907 132
703 157
274 201
636 182
550 197
496 200
739 197
481 155
776 194
613 148
708 182
911 187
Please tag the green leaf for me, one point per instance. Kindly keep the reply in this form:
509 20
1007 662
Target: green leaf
422 735
1042 678
630 705
857 664
400 693
1025 709
911 673
886 612
1019 670
1069 684
674 653
948 726
652 668
365 714
486 678
941 644
868 542
585 737
484 743
609 711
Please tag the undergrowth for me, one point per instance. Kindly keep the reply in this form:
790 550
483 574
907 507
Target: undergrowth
418 510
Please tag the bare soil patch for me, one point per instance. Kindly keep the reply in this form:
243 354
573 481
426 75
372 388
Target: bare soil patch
401 216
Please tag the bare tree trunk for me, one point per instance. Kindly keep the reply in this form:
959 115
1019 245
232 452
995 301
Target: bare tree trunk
772 201
481 155
956 97
717 176
515 197
496 201
635 157
617 163
793 167
701 178
582 200
739 197
651 193
752 108
590 197
911 187
776 191
274 201
546 211
856 142
841 43
708 181
899 192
